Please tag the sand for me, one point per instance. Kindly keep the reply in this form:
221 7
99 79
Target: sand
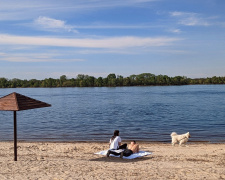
76 160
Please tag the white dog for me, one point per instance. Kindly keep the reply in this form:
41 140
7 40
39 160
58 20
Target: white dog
181 139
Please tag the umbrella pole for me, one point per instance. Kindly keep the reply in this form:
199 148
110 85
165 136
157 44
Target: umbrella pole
15 137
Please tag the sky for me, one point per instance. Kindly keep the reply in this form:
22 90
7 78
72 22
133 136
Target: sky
48 38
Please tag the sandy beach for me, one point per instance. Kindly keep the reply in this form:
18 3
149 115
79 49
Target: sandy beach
76 160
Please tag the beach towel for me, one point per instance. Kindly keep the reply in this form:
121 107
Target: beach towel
132 156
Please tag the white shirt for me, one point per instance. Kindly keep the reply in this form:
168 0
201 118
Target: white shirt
115 143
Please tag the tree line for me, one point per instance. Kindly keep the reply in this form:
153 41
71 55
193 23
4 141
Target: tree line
112 80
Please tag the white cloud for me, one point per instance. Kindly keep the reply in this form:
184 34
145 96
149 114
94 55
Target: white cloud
35 57
177 13
2 54
109 51
117 26
222 24
26 9
190 19
49 24
177 31
115 42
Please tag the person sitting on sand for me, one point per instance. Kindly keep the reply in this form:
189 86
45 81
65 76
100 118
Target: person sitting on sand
115 141
133 147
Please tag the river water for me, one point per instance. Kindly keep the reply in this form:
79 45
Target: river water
140 113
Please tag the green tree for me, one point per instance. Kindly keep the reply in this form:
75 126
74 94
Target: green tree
119 80
14 83
67 83
99 82
145 79
133 80
111 80
34 83
62 79
90 81
126 81
3 83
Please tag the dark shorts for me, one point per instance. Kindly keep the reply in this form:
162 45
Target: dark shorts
127 152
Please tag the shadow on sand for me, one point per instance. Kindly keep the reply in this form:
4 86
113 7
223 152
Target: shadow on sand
119 160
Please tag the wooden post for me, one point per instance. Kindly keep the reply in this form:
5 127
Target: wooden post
15 137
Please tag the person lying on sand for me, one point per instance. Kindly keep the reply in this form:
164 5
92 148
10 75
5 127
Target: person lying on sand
133 147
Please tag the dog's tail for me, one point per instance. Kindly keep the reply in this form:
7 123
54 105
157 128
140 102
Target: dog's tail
173 134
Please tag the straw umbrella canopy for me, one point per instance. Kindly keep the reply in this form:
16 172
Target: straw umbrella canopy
17 102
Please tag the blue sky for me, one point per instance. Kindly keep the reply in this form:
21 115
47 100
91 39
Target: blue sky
48 38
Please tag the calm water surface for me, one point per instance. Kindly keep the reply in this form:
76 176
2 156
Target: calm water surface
140 113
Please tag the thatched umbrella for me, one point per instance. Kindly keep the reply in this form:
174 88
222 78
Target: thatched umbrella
17 102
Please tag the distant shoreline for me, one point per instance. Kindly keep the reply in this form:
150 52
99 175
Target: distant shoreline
112 80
